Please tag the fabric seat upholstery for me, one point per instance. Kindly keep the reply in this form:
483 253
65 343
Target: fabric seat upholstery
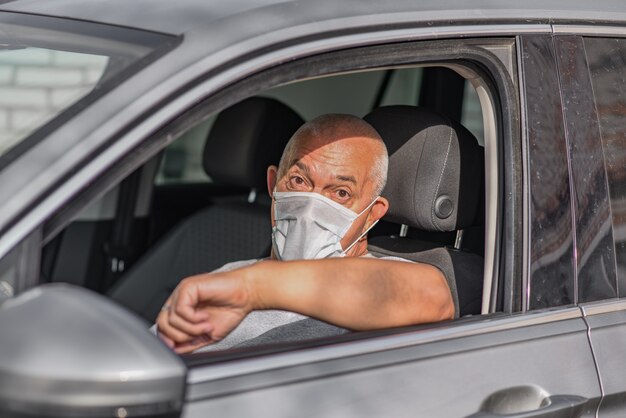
434 184
244 140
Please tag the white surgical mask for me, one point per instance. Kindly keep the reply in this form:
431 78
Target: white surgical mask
310 226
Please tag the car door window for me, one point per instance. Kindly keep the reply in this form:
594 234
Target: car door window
395 97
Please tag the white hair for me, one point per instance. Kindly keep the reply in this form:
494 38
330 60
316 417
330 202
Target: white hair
331 125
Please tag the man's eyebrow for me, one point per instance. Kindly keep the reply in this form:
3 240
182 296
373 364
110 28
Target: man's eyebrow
350 179
340 177
302 167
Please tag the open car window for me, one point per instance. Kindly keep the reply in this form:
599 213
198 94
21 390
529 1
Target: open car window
86 251
192 244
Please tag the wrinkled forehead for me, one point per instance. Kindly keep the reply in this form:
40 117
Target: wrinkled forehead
346 156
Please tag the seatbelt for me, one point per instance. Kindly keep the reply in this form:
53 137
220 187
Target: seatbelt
119 249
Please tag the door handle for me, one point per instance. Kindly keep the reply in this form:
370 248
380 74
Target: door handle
557 406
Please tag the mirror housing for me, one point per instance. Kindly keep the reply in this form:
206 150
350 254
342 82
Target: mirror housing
68 352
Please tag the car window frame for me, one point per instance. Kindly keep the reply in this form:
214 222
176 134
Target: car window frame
457 53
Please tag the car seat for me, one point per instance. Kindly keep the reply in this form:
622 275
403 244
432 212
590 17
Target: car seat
435 184
244 140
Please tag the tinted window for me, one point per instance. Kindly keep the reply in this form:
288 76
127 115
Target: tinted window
607 65
552 266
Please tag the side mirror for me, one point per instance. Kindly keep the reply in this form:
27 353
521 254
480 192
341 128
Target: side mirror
69 352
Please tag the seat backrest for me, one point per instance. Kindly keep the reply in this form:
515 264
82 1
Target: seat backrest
434 184
244 140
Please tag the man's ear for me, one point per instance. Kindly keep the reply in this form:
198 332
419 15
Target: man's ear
272 174
379 209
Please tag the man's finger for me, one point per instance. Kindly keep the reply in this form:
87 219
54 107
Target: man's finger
186 303
171 332
190 314
190 328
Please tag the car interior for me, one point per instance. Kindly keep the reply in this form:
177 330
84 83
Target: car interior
202 202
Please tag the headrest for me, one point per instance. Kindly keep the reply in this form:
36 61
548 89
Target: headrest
246 138
435 168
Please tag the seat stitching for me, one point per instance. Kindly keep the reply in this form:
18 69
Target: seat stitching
445 162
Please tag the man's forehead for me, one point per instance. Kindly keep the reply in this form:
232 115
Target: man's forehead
347 177
347 159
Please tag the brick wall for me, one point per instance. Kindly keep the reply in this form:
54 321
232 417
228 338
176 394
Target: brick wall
37 84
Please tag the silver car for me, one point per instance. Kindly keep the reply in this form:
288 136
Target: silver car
133 141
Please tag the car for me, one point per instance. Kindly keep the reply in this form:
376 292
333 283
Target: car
133 138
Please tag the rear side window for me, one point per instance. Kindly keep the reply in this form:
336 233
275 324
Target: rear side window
607 66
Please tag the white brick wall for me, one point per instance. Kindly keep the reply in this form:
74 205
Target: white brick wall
37 84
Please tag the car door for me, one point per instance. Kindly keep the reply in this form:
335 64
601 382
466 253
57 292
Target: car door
536 362
592 74
532 358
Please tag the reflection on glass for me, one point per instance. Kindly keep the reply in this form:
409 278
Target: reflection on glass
607 65
37 84
51 67
551 264
592 216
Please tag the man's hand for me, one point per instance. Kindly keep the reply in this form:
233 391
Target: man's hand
203 309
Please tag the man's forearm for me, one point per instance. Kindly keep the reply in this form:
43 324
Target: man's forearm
355 293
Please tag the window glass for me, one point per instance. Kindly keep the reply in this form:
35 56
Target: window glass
48 65
182 161
37 84
607 65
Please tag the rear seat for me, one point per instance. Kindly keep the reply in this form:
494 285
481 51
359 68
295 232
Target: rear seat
245 139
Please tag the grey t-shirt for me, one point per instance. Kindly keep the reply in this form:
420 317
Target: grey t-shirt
271 326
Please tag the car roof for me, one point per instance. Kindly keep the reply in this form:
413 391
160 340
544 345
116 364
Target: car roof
180 16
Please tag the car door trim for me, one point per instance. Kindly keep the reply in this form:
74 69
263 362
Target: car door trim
588 30
603 307
200 374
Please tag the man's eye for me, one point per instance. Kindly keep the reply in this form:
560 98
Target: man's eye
343 194
297 181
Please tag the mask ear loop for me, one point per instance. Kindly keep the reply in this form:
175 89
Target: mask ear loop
343 253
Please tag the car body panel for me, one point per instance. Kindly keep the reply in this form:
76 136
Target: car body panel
269 15
445 372
607 323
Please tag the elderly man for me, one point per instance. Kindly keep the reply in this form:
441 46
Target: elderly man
325 198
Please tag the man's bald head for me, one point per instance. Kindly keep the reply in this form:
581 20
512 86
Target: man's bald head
332 127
